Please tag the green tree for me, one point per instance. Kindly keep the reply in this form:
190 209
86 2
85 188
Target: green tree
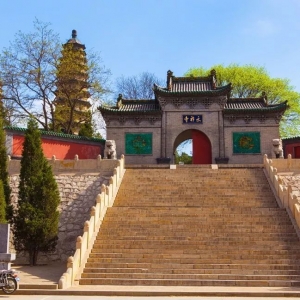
35 222
87 128
2 205
183 158
3 167
28 72
252 81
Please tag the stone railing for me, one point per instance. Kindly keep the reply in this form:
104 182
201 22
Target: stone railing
275 169
85 242
76 164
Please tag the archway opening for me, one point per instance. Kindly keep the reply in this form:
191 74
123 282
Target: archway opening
193 143
184 152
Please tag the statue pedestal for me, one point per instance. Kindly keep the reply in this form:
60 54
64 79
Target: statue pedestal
5 256
221 160
163 160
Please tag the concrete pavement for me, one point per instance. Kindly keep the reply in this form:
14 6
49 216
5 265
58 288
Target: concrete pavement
42 280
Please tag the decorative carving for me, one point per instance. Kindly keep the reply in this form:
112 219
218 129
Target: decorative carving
191 102
222 102
278 118
247 119
163 102
137 120
122 120
262 118
207 102
232 119
277 148
178 102
110 149
152 120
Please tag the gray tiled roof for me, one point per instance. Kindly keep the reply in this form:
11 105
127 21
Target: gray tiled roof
56 134
191 86
133 106
203 88
138 105
252 105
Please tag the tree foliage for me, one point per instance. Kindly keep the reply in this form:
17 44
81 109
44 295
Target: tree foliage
183 158
137 87
252 81
28 71
3 167
2 205
35 222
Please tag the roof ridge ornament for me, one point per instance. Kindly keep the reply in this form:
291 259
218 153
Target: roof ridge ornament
119 100
265 97
169 80
213 74
74 34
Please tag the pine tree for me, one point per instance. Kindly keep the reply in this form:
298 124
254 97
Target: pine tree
2 205
36 219
3 166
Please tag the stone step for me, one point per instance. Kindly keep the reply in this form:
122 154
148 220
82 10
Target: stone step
207 266
199 254
209 211
196 227
202 238
187 282
161 230
187 220
259 259
190 276
198 245
242 271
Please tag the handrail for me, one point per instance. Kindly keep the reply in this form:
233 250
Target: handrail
288 198
85 242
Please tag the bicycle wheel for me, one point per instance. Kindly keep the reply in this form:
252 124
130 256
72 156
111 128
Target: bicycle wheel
10 287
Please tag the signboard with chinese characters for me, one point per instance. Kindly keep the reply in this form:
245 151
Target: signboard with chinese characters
190 119
138 143
246 142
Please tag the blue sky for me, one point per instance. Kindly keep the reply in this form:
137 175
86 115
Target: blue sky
133 36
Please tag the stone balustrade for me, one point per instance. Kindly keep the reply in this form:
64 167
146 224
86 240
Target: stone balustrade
283 175
76 164
85 242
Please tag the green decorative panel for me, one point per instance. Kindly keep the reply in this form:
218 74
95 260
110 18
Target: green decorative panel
246 142
138 143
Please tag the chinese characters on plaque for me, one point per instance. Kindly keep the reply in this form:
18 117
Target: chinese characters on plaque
188 119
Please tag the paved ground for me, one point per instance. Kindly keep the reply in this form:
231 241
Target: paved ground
49 274
42 274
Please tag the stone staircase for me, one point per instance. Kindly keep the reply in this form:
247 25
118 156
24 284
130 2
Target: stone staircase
195 227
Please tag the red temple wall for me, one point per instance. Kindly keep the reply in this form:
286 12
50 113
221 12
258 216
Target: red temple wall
61 149
293 149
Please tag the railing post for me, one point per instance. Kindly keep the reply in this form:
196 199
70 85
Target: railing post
93 216
70 264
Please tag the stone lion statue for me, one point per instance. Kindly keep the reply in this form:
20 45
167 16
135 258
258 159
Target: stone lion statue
110 149
277 150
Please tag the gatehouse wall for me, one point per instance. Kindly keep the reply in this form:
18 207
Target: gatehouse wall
267 133
175 126
117 133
